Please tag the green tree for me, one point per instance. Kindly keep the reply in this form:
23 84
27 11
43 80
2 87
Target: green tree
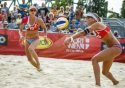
123 9
70 2
63 3
81 3
113 14
98 6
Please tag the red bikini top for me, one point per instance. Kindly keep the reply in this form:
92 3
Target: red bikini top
28 26
102 33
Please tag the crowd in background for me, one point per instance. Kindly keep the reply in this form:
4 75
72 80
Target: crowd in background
49 15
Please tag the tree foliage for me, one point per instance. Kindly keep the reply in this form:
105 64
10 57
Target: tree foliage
123 9
64 3
81 3
98 6
113 14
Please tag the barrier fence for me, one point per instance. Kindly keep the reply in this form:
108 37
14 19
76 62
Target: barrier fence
83 48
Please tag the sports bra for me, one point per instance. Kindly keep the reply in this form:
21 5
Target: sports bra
28 26
102 33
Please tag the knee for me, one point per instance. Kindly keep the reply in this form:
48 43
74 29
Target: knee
30 49
105 72
94 60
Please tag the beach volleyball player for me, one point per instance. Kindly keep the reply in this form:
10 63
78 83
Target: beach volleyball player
107 55
32 36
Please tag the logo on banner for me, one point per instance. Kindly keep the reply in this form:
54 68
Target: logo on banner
44 44
79 45
3 39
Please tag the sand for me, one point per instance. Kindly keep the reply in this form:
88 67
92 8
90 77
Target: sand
16 72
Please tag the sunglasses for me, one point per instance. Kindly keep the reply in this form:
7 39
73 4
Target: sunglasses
33 10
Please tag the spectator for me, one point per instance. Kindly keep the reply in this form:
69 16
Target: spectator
43 10
50 18
18 19
4 15
1 17
43 17
66 13
61 11
71 14
5 25
53 27
15 12
78 14
6 8
54 10
22 12
54 23
51 23
2 7
82 24
12 25
9 18
73 27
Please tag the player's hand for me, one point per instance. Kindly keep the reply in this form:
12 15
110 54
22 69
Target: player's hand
22 40
45 40
68 40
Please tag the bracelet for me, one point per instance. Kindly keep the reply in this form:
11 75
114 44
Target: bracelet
86 31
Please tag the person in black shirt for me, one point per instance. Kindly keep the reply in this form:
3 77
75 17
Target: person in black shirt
43 10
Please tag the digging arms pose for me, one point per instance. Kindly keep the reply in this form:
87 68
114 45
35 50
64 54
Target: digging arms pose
107 55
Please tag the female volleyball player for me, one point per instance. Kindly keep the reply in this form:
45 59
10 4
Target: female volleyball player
107 55
32 36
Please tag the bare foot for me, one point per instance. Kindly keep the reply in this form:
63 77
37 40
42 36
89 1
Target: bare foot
98 84
39 69
116 82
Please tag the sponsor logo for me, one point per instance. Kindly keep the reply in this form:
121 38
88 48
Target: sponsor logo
44 44
79 45
3 40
